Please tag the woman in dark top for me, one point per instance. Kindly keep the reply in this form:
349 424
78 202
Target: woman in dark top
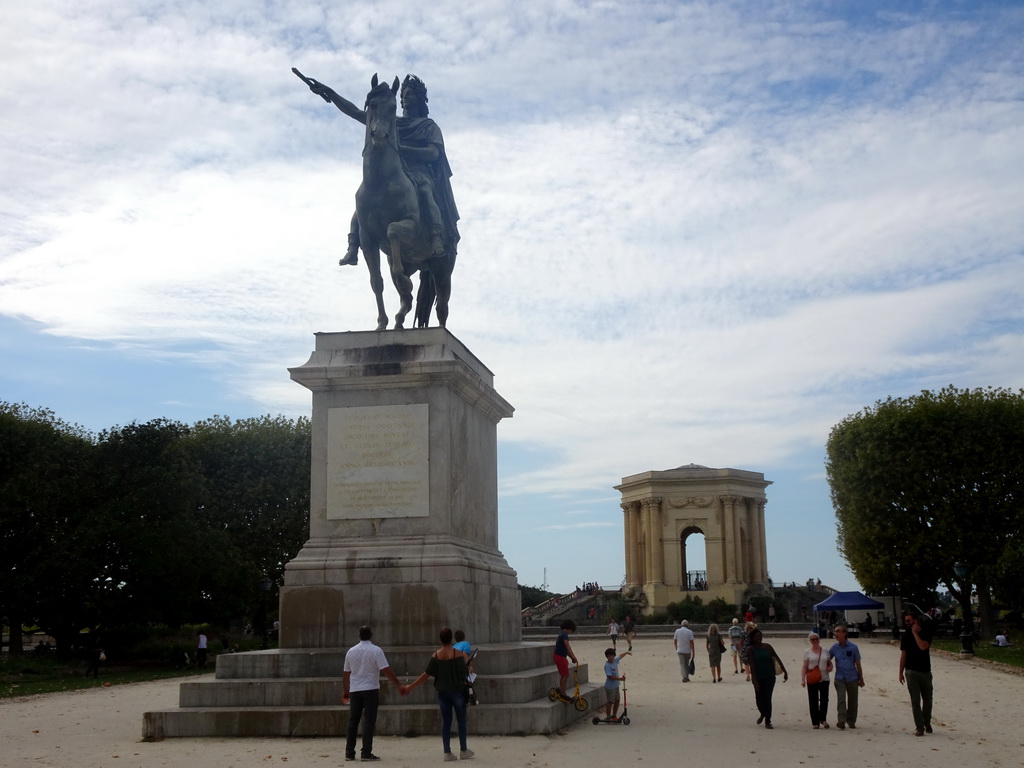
761 668
448 668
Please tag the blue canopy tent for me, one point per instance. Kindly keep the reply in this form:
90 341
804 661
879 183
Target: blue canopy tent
847 601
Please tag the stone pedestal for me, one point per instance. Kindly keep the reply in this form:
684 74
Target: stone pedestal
403 498
403 537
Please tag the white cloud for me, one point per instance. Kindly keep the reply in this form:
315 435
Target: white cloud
689 233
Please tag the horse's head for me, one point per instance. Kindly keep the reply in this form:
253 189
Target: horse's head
382 113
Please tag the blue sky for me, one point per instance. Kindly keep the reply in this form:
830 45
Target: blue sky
691 231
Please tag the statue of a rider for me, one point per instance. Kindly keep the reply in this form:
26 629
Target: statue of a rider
422 148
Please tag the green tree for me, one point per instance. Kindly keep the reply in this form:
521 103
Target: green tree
720 611
154 545
531 596
147 524
922 483
43 513
690 608
255 494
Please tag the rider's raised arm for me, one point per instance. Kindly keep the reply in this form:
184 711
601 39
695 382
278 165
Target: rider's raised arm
341 103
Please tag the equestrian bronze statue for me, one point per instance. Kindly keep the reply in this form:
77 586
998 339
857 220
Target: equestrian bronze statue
404 206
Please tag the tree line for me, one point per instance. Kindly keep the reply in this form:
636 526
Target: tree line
929 490
155 523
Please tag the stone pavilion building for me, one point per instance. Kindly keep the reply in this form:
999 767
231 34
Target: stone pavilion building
661 510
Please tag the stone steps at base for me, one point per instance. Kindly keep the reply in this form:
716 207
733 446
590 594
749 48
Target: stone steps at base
535 717
520 688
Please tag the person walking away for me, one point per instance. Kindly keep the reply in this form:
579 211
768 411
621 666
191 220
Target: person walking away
715 648
745 647
682 640
448 668
735 643
761 669
96 655
849 677
563 652
630 627
611 682
613 633
916 669
364 663
814 676
201 648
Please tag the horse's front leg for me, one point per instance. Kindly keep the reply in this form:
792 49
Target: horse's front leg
372 256
399 232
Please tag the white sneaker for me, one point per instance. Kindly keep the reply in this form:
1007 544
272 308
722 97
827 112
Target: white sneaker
450 757
467 754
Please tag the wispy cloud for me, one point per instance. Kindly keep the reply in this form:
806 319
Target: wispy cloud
691 232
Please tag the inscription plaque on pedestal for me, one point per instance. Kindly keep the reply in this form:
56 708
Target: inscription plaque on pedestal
378 462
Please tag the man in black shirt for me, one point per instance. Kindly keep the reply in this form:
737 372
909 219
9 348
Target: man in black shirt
916 668
630 628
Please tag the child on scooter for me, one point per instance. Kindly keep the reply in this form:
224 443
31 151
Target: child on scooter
611 682
562 651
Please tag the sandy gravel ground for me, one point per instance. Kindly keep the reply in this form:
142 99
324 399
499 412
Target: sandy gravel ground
977 720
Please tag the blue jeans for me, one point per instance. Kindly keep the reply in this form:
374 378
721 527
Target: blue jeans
449 701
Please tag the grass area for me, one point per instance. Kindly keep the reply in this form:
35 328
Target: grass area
1014 656
29 675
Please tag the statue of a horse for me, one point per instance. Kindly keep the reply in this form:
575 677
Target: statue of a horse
390 218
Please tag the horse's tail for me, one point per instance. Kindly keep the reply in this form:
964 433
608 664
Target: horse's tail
425 297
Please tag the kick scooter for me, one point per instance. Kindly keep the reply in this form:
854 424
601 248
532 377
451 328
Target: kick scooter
576 699
622 719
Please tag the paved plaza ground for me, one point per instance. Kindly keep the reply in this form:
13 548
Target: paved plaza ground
977 720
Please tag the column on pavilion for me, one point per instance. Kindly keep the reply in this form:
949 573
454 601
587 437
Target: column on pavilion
631 523
737 542
654 541
648 551
728 532
756 563
761 543
746 540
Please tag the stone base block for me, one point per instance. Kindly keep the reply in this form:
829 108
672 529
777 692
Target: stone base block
535 717
406 589
297 692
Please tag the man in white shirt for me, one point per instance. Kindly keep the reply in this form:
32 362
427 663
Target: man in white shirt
613 633
683 642
364 663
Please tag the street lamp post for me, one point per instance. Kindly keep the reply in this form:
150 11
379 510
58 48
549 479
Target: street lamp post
264 585
967 629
